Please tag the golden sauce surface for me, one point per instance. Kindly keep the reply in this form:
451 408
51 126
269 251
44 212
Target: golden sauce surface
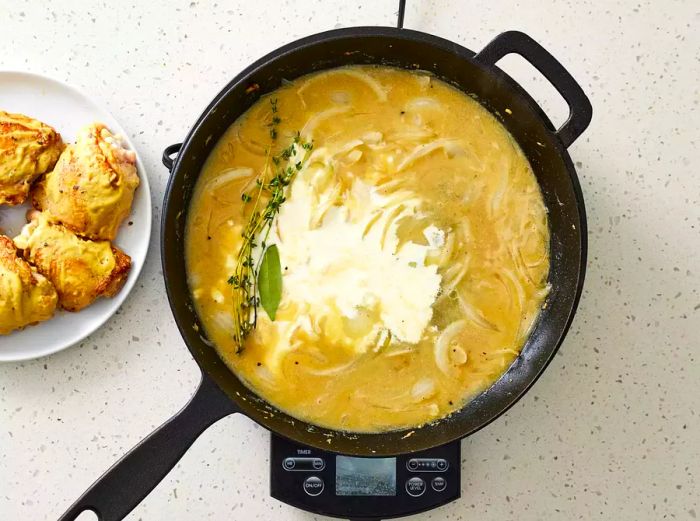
451 167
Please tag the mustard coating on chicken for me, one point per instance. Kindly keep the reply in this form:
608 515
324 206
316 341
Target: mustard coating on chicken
28 148
92 186
81 270
26 296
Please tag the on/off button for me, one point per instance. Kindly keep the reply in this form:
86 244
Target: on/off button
313 485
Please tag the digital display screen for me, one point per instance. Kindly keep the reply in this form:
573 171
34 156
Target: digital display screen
365 476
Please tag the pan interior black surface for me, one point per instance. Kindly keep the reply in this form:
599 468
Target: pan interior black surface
472 74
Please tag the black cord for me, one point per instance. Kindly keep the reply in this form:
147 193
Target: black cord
402 9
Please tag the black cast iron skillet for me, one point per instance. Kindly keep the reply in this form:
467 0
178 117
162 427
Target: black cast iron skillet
220 392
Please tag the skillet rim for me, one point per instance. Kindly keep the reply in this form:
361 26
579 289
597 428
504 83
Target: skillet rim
387 443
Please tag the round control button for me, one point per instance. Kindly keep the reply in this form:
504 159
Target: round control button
289 463
412 464
439 483
313 485
442 464
318 464
415 487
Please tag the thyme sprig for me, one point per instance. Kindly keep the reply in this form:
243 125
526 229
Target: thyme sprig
267 197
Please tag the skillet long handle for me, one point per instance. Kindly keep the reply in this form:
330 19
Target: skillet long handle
122 487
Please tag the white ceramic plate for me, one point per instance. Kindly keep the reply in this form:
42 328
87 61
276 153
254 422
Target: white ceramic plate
67 109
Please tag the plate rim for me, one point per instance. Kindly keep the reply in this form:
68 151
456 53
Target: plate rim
144 184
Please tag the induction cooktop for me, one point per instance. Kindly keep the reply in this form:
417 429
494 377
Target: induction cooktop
361 488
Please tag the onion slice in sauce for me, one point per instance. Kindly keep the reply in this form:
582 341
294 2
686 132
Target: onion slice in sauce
368 80
315 120
475 315
450 146
228 176
442 345
328 371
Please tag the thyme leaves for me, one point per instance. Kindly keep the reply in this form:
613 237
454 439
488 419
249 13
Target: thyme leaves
259 282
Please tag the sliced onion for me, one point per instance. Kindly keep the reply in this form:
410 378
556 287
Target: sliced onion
314 121
373 220
431 408
390 184
393 216
423 103
224 321
365 78
452 271
450 146
265 375
399 352
517 258
515 285
504 168
328 371
524 332
542 293
372 137
353 157
368 80
341 97
423 80
323 206
228 176
453 280
443 343
423 389
348 147
411 136
458 356
475 315
251 146
404 197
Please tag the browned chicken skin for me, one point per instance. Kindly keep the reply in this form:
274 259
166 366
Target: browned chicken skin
26 296
28 148
81 270
92 186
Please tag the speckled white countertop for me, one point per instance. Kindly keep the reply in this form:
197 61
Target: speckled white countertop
612 429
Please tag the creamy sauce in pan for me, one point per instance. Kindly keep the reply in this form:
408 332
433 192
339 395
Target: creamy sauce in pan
413 245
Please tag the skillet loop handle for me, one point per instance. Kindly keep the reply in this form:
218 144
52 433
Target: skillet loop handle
580 110
119 490
168 153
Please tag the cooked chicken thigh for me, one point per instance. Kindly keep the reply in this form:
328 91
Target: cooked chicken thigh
28 148
92 186
81 270
26 296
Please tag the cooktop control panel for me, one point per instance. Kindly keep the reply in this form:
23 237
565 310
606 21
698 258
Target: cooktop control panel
363 488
